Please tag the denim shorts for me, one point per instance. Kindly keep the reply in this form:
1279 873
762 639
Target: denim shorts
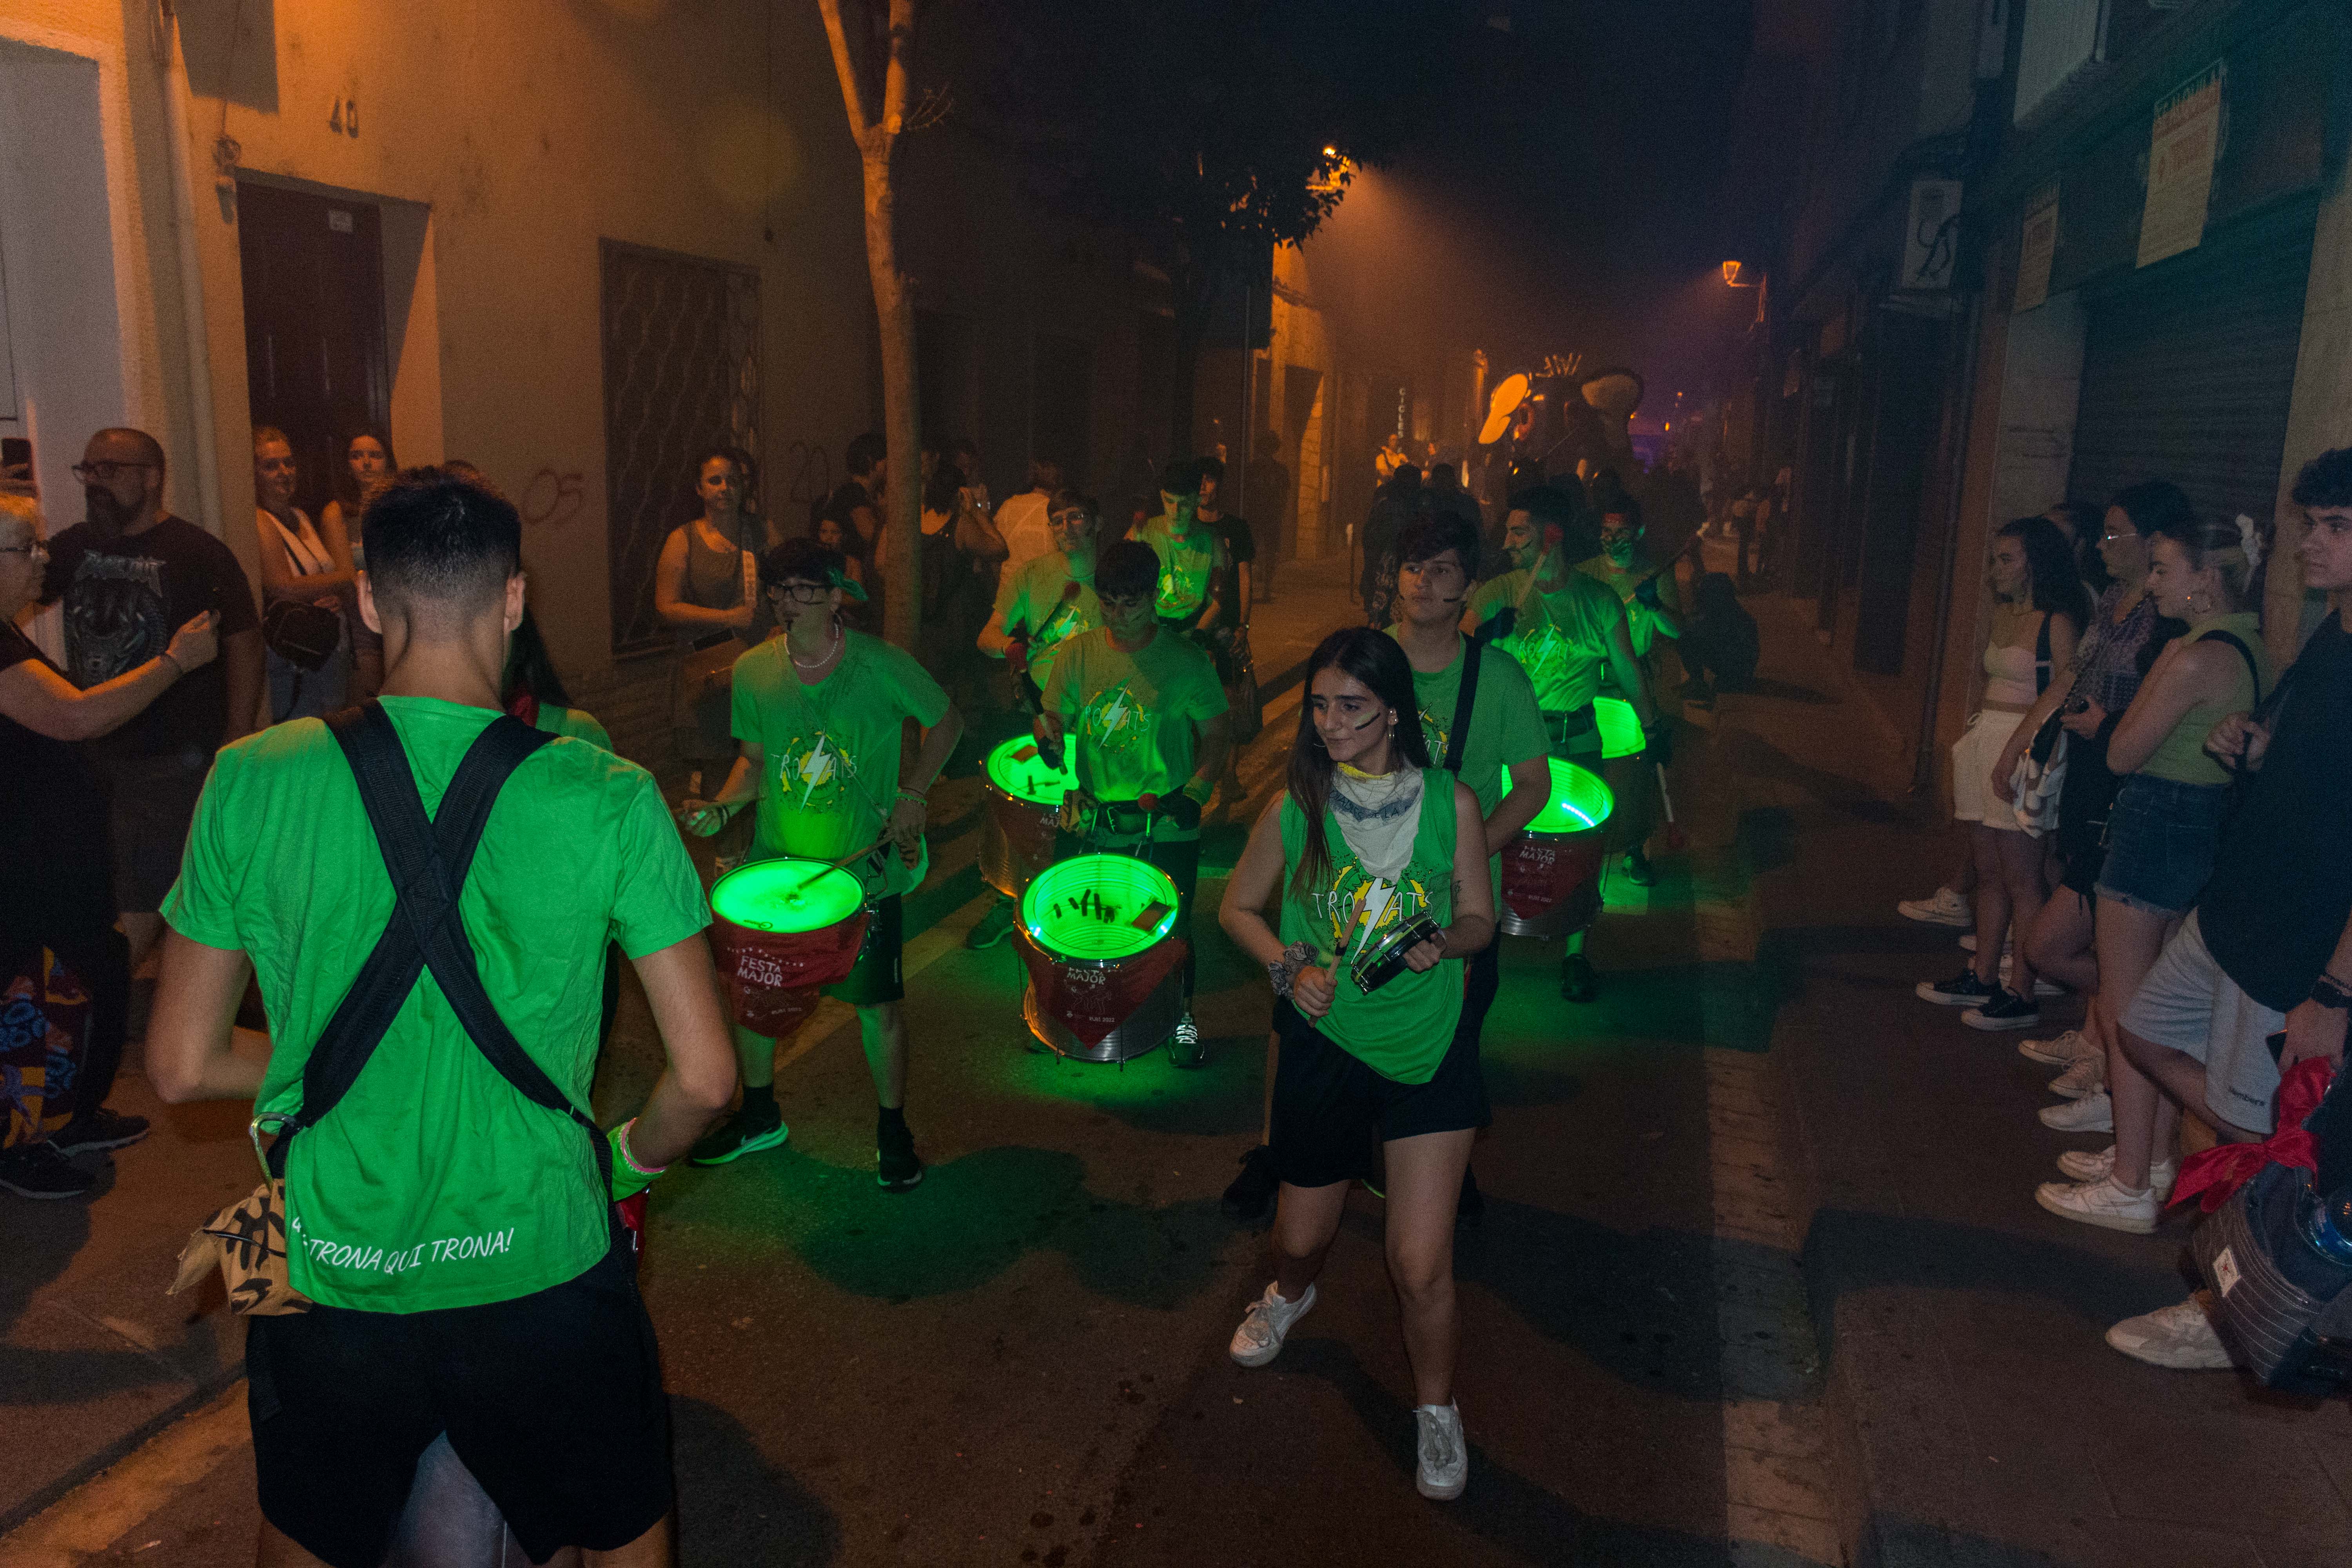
2161 840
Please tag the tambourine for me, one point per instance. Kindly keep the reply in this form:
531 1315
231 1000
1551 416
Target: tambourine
1381 964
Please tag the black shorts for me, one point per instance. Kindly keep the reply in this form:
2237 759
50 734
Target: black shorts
1330 1108
150 802
554 1400
880 974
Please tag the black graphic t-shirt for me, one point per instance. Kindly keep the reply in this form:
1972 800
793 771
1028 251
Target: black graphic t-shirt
124 597
52 825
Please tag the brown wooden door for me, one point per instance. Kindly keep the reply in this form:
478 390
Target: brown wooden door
315 361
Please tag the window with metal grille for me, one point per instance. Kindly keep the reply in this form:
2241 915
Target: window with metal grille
681 375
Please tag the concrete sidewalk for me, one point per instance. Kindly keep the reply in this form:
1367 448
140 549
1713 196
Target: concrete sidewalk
1962 1324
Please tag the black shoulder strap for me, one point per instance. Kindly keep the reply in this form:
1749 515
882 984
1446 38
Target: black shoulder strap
2253 670
2042 657
1466 697
428 861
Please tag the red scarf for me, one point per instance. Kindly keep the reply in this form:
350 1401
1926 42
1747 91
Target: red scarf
2224 1168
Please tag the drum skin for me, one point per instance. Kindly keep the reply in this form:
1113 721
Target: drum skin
1105 972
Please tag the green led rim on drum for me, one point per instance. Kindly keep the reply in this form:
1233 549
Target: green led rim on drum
1578 800
1098 907
1620 727
1016 768
786 895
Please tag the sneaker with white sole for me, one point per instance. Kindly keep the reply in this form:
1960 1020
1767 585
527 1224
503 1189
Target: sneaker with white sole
1265 1325
2094 1112
1945 909
2042 986
2006 1011
2180 1336
2063 1051
2089 1165
2084 1078
1963 990
1445 1457
2104 1202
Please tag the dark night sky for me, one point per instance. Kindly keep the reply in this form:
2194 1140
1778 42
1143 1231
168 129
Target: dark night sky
1568 204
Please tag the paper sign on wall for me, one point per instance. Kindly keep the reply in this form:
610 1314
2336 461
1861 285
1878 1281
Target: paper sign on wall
2180 151
2037 243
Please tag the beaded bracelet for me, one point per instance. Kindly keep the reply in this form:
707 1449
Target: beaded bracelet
628 1157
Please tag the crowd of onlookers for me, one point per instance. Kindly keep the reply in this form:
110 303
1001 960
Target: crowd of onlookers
2154 835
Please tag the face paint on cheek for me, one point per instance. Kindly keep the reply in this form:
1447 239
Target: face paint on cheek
1366 725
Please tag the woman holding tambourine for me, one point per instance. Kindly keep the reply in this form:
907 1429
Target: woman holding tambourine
1377 914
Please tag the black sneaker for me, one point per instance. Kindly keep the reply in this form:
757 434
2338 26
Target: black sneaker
38 1170
98 1129
991 928
736 1137
1575 980
1184 1047
2006 1011
1637 869
1471 1207
1963 990
1253 1191
896 1166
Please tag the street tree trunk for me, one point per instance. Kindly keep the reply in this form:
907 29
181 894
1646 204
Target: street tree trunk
878 135
1190 287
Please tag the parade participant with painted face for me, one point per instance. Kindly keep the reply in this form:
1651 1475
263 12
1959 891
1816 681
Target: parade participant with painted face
1148 716
1193 563
818 714
454 1233
1369 846
1570 634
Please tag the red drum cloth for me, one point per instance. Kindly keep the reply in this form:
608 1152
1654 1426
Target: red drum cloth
1542 871
772 976
1090 999
2219 1171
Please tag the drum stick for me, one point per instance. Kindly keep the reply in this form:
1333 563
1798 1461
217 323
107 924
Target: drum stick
1675 838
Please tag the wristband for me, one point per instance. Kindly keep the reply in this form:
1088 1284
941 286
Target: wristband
177 668
915 794
629 1178
1284 971
2329 993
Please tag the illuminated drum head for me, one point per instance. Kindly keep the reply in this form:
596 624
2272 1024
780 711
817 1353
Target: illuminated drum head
786 895
1016 768
1578 800
1098 907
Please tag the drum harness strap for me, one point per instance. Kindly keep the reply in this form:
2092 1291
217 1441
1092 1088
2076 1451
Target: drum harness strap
428 861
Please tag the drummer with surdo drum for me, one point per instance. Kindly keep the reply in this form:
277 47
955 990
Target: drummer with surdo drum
1377 860
1148 715
818 716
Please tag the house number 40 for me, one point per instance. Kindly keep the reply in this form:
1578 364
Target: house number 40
345 118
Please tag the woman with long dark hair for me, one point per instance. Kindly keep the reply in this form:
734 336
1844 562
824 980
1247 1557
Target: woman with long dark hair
705 590
2038 610
1361 851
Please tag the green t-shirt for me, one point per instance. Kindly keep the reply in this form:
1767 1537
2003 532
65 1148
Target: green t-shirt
831 777
1645 624
1136 717
1401 1031
1188 561
434 1182
1560 639
1045 603
576 722
1506 725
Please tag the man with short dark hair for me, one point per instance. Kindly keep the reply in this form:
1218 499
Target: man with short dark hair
455 1235
129 576
1149 718
1192 558
2259 976
856 503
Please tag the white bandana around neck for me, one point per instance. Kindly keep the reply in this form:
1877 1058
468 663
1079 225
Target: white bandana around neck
1378 817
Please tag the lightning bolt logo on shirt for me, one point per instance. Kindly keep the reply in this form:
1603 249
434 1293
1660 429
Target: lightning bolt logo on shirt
1117 722
812 771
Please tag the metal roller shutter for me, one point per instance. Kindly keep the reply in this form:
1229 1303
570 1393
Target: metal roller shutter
2188 368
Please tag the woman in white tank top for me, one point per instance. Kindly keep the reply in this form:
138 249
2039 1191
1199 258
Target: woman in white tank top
300 563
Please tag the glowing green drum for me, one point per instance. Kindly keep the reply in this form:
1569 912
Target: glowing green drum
1551 872
1023 798
1105 970
778 930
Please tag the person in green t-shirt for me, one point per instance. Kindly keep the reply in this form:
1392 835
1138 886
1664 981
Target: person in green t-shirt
1149 717
434 1184
1570 633
819 715
1653 609
1193 561
1371 840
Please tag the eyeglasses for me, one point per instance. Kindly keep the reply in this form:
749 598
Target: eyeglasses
805 593
36 552
104 471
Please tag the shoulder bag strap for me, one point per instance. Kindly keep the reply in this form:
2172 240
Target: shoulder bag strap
2042 657
1464 699
2253 670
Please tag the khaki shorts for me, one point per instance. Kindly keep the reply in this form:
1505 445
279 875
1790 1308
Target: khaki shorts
2187 1004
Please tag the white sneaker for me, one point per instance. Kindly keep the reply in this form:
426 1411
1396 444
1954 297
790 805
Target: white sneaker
1445 1457
2085 1166
2180 1336
2085 1076
2102 1203
2062 1052
2094 1112
1259 1339
1945 909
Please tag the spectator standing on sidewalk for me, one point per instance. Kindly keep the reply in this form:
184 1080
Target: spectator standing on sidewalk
53 847
300 563
2164 835
367 467
2268 950
128 574
531 1353
706 590
2039 610
856 505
